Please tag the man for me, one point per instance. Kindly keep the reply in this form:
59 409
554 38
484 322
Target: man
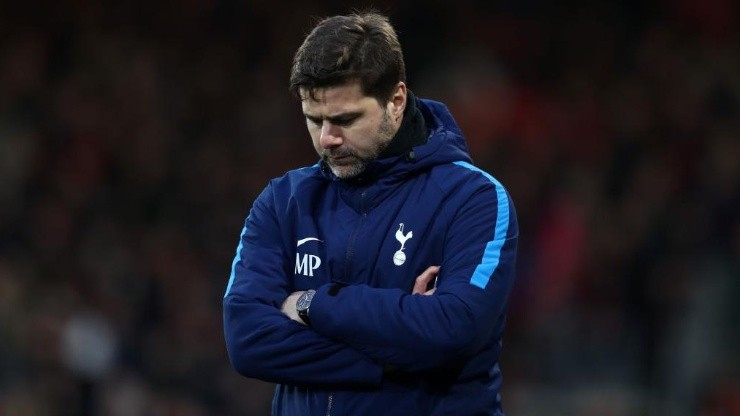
376 281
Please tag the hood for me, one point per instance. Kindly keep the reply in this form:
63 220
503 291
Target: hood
445 144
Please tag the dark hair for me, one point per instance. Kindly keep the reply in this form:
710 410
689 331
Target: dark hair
339 49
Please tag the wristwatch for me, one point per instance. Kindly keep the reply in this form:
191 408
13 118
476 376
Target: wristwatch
303 304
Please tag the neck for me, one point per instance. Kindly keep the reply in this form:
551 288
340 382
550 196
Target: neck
412 131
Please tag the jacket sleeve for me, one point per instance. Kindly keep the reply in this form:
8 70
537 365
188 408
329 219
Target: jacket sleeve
416 332
261 341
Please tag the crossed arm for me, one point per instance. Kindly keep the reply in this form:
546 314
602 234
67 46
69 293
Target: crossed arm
420 288
463 315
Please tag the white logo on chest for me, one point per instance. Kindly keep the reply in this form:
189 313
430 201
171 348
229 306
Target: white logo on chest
400 257
306 264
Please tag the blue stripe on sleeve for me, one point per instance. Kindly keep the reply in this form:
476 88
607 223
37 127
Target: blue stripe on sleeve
492 253
236 260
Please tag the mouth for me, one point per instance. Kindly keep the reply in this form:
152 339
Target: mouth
340 159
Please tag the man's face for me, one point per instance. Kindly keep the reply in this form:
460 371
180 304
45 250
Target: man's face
348 128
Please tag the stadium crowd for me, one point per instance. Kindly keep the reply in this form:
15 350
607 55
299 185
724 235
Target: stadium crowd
135 135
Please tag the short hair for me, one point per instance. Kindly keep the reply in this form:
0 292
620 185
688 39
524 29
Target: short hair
359 46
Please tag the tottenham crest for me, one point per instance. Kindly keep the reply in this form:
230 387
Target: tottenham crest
399 257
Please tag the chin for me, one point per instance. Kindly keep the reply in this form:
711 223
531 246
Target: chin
346 172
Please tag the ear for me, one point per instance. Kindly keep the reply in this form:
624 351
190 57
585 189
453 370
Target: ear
397 103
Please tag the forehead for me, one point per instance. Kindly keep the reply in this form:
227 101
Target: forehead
336 99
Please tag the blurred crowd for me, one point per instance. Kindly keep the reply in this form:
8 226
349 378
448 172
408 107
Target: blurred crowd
134 137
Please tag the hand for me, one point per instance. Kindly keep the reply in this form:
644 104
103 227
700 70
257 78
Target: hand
288 307
422 281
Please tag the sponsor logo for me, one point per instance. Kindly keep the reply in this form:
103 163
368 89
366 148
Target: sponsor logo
303 241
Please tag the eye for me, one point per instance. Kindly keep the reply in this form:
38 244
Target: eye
344 122
313 120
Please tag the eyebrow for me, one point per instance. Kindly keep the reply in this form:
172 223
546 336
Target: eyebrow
339 118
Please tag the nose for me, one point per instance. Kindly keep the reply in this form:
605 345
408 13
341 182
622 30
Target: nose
331 136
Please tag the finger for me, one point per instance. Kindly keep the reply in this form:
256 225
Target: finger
430 291
422 281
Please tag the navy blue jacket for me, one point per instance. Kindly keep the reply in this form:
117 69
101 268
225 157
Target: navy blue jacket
373 347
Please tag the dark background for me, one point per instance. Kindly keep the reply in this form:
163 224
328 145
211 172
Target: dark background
134 137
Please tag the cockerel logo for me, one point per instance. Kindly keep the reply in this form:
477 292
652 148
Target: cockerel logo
400 257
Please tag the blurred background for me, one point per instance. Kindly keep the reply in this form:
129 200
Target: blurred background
134 137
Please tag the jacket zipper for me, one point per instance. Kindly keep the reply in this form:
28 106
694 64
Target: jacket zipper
350 254
351 245
331 401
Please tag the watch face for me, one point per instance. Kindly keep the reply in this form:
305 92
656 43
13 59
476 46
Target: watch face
304 301
301 302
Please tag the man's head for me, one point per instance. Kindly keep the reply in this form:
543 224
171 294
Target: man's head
362 47
349 74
